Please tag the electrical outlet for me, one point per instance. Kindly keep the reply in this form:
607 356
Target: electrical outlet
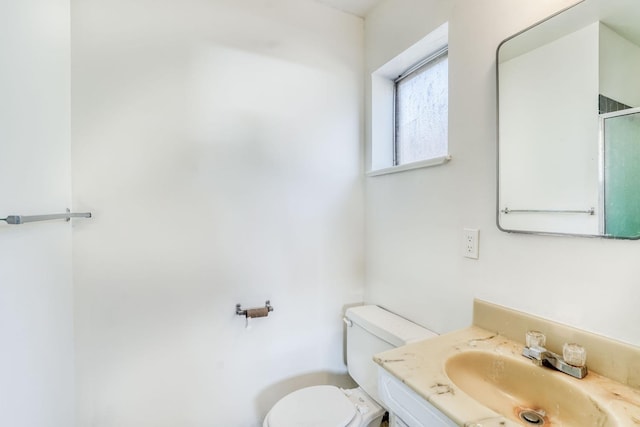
470 242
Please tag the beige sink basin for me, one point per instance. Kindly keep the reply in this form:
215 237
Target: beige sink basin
523 392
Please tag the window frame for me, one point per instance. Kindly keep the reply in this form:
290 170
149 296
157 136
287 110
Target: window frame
381 116
431 58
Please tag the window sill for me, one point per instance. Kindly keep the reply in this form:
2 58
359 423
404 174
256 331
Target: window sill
409 166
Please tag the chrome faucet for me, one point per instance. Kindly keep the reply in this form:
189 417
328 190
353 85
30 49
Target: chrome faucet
573 353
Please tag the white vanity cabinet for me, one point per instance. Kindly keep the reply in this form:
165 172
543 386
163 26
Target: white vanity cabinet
406 407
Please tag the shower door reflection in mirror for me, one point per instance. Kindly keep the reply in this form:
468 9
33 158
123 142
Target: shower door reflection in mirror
621 168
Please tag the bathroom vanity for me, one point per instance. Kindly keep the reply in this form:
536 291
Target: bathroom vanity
478 377
406 407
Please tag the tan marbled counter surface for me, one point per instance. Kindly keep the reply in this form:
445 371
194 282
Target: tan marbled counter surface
421 366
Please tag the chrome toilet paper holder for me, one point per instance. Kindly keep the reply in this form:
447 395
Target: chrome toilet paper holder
250 313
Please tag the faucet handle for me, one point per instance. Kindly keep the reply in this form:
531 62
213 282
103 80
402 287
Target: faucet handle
535 339
574 354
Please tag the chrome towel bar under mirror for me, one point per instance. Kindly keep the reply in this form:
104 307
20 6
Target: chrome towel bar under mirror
23 219
590 211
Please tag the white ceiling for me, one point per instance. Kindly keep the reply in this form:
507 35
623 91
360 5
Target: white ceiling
355 7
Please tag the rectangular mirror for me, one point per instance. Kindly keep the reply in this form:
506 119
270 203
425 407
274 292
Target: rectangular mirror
569 123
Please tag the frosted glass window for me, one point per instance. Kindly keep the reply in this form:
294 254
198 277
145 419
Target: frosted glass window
422 111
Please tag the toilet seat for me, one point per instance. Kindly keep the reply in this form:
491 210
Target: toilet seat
323 406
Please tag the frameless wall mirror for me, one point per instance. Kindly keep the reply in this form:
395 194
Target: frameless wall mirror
569 123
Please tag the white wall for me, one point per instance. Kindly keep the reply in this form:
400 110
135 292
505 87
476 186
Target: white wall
217 143
551 162
414 219
36 313
619 67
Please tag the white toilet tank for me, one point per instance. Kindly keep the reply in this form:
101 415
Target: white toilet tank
371 330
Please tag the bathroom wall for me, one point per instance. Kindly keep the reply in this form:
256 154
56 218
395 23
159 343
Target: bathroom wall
565 113
36 313
414 219
619 64
218 145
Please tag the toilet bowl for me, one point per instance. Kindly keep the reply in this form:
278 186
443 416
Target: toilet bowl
325 406
370 330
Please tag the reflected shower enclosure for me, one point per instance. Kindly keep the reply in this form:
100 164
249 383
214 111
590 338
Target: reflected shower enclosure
620 173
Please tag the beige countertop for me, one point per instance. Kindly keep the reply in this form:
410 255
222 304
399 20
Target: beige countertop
421 366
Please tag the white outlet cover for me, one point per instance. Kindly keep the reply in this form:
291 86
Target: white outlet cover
470 243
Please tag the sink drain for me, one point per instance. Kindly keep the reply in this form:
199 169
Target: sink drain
531 417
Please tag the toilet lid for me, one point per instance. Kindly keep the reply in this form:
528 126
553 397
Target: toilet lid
318 406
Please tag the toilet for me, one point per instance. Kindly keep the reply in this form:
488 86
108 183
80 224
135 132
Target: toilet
370 330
